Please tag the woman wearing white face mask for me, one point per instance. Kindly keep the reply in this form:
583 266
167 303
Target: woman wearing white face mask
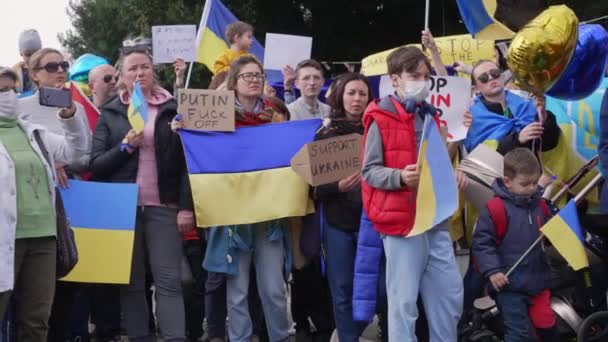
28 154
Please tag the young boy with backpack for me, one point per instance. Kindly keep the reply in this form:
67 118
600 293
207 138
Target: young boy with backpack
506 228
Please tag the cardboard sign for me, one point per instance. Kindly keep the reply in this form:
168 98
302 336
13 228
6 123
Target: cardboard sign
172 42
451 49
329 160
206 110
451 94
284 49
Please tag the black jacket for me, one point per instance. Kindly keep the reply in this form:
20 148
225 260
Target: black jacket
524 219
110 164
510 141
342 210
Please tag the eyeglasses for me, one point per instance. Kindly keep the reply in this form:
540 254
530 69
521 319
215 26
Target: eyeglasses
252 77
493 74
53 67
108 78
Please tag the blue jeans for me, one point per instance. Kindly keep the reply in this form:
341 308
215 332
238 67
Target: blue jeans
514 309
423 264
340 250
268 257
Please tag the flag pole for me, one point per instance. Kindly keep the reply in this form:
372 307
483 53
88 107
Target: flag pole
188 77
578 197
199 35
426 14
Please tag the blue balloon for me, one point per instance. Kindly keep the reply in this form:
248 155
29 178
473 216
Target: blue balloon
585 70
79 71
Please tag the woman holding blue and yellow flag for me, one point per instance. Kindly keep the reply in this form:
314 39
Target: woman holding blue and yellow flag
504 120
233 249
133 143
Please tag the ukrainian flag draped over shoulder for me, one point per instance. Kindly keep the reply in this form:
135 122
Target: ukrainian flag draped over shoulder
489 127
245 177
216 17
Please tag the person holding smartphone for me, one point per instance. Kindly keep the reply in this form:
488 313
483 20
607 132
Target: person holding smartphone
49 69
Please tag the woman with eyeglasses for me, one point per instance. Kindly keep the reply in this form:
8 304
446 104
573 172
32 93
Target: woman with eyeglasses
267 248
28 246
153 158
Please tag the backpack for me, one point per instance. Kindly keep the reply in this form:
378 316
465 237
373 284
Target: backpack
498 213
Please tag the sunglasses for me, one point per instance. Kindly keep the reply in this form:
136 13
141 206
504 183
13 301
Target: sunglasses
127 50
4 90
493 74
252 77
53 67
108 78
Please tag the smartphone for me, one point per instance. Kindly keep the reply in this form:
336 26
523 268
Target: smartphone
54 97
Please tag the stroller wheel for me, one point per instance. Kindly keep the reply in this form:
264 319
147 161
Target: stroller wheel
594 328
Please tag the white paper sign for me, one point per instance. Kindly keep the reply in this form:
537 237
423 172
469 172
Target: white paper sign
282 49
172 42
451 94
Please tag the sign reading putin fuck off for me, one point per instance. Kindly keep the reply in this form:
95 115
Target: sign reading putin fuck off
206 110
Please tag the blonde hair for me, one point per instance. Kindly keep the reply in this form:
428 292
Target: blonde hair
35 61
236 29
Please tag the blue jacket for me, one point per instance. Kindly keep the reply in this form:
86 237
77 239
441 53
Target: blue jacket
603 151
367 271
525 217
225 244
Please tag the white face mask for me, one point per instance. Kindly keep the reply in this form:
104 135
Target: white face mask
416 90
8 104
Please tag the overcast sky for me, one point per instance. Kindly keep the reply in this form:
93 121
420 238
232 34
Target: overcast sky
49 17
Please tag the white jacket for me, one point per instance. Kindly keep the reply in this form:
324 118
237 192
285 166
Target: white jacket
61 148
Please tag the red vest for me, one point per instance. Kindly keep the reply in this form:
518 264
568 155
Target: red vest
392 211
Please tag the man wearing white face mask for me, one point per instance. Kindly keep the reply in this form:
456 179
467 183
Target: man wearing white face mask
28 154
424 263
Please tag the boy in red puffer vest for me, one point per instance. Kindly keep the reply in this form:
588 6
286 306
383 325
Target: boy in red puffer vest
423 263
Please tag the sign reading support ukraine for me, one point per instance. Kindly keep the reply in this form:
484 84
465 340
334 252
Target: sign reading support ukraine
102 216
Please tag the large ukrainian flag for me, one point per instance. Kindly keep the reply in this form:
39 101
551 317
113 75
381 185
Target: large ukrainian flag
478 17
245 177
211 42
437 197
102 216
565 233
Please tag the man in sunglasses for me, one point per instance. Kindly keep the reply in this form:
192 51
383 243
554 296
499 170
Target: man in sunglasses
29 43
504 117
102 82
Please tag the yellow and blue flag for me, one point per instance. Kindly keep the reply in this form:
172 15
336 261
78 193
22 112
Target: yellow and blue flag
565 233
478 17
437 197
102 216
245 177
138 109
211 42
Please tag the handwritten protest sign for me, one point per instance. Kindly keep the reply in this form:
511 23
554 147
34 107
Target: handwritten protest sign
206 110
284 49
329 160
172 42
451 48
451 94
